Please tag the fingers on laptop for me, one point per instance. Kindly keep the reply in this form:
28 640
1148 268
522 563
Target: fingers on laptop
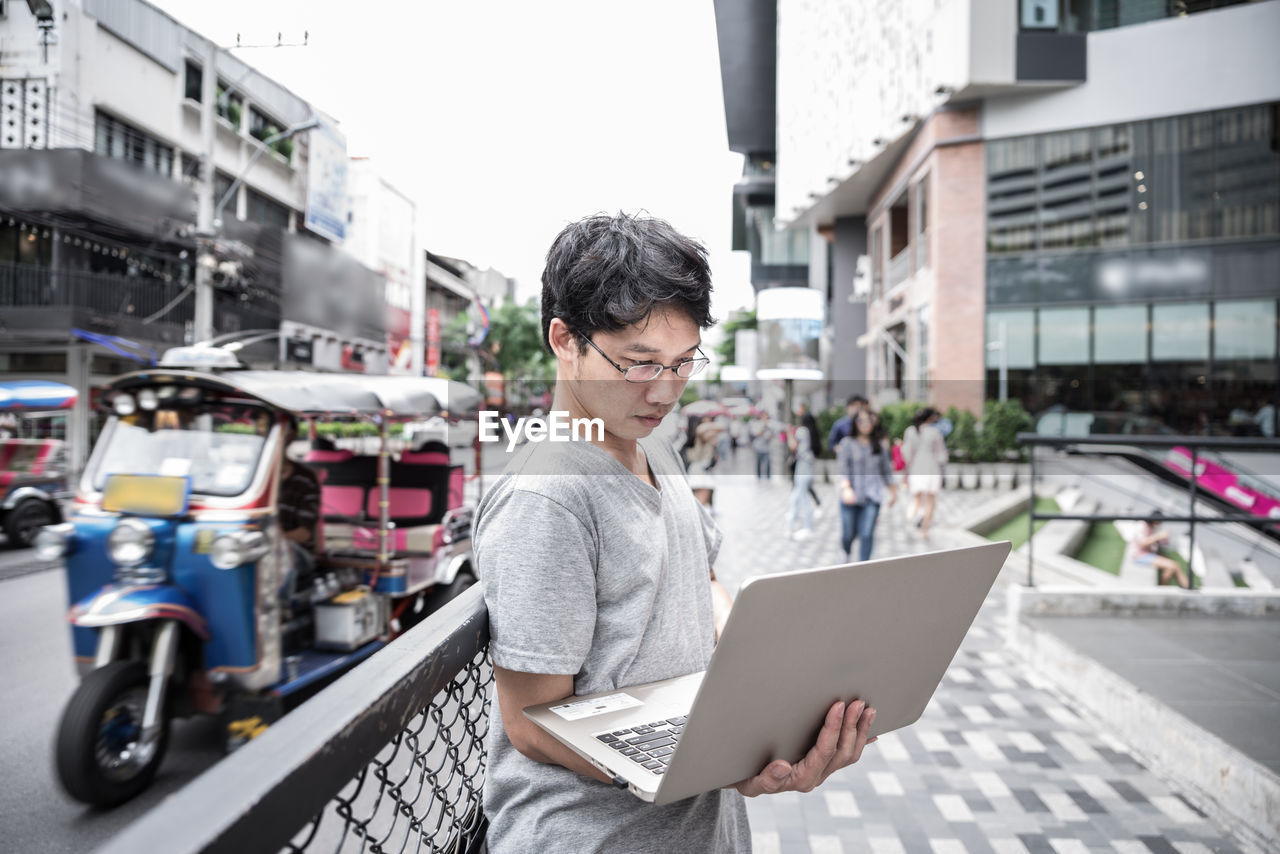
840 743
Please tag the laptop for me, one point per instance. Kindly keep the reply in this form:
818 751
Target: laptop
883 631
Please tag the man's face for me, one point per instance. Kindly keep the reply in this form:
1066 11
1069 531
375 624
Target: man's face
632 410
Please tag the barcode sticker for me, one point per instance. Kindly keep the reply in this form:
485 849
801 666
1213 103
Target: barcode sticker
597 706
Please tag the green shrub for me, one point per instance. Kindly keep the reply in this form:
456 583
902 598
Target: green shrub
896 417
1002 421
826 418
962 443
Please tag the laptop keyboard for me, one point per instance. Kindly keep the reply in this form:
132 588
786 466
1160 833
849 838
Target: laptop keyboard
650 746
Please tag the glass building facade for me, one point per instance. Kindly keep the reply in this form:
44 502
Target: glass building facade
1136 267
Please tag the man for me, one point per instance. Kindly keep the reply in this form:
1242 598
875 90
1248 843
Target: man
596 559
298 504
844 426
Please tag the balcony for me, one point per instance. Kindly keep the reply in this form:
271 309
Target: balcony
44 301
900 267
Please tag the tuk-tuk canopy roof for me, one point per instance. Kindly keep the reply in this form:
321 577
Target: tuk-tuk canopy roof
35 394
315 393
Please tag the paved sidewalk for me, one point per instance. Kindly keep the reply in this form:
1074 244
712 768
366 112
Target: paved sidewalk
1000 761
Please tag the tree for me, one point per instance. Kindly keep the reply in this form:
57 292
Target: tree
727 348
515 345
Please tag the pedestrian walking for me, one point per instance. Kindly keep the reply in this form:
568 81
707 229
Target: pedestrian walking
925 451
602 576
865 475
762 444
843 425
801 506
701 459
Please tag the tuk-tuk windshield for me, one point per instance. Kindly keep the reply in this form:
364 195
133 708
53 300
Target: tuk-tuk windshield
218 447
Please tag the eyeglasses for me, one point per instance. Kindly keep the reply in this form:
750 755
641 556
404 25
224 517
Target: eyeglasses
649 371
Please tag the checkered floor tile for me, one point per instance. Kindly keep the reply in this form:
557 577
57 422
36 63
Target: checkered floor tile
1000 762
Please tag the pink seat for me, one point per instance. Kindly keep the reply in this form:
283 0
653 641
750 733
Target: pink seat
341 500
425 458
314 456
405 503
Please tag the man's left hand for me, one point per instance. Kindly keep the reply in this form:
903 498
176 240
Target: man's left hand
840 743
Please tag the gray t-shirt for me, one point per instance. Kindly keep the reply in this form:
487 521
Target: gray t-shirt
588 570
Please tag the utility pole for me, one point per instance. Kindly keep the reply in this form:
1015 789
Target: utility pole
203 323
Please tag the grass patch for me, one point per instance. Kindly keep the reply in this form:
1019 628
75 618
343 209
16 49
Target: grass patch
1015 530
1103 548
1238 580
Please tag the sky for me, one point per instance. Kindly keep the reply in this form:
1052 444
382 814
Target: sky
505 120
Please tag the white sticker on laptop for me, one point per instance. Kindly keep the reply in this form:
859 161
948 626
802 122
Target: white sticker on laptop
580 709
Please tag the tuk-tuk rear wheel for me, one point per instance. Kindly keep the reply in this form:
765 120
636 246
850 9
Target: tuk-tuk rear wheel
101 755
25 521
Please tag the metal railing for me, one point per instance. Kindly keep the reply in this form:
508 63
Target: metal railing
1112 440
391 757
28 285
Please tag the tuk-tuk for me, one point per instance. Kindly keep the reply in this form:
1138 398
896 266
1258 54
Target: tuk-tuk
33 466
186 595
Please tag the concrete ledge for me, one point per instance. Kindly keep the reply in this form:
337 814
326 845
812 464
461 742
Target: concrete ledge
989 515
1236 791
1140 601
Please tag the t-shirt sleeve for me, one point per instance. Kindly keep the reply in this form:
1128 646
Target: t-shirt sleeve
537 561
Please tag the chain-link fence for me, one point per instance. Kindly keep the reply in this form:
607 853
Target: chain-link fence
422 791
390 758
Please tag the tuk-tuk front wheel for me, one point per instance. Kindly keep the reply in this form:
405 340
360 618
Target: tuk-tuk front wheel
25 520
102 756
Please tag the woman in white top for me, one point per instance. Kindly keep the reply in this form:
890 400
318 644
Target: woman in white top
925 451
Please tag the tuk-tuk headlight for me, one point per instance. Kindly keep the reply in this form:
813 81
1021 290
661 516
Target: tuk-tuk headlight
238 548
54 541
130 542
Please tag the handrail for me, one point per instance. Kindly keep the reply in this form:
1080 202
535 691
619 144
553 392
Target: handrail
1194 443
346 745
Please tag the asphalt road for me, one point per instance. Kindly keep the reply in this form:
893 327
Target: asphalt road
38 677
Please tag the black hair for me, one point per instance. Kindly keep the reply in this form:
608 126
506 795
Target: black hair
857 398
609 272
922 416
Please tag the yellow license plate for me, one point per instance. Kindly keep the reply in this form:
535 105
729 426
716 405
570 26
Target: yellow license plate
146 495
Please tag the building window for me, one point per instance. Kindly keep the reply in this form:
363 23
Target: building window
922 348
1109 14
1016 339
1247 172
266 211
1180 331
1011 195
1244 329
1120 334
122 141
1066 191
194 82
771 247
877 262
221 186
1173 180
922 223
1064 336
